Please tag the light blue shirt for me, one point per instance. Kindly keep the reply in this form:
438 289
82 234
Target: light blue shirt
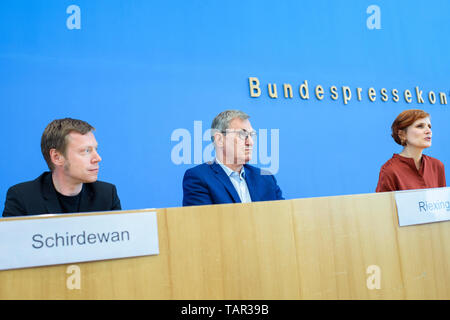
238 181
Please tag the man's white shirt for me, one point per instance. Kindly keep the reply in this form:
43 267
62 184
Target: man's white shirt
238 181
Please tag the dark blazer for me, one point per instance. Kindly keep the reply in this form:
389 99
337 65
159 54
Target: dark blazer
39 197
209 184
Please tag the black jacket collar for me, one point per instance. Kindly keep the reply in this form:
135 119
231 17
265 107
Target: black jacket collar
51 199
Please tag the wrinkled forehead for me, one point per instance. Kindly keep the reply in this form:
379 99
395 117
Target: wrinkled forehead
239 124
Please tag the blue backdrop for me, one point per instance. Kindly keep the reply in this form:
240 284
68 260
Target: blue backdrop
150 74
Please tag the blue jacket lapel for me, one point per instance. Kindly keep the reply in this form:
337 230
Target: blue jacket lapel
225 180
250 179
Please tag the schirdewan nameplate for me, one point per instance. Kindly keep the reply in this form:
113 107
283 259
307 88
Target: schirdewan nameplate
68 239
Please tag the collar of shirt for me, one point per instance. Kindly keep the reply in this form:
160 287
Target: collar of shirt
229 172
410 162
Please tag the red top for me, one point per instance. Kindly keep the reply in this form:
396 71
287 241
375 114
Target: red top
400 173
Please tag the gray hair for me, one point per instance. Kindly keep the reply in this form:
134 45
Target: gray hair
222 121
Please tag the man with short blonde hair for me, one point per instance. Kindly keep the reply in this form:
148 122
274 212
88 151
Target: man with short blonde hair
70 149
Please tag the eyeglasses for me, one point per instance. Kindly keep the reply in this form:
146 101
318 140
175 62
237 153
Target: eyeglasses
242 133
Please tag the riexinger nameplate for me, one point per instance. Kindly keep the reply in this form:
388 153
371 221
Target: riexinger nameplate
423 206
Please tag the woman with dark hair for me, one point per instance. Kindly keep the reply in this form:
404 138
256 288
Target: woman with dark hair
410 169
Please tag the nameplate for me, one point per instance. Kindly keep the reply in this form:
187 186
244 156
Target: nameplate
423 206
68 239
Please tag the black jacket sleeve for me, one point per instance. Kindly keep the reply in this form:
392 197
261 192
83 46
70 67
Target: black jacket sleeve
13 204
116 201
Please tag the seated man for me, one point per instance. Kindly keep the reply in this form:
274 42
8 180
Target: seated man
70 150
229 179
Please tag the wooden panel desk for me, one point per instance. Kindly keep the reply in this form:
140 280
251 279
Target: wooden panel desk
316 248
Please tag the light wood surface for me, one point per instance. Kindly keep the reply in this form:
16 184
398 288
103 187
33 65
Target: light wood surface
317 248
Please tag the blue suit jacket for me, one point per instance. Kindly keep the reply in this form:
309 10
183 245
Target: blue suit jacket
209 184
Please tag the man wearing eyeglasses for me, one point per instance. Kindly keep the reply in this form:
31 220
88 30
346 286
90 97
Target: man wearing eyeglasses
229 179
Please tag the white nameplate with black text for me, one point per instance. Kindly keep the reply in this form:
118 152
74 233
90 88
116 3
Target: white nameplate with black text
423 206
68 239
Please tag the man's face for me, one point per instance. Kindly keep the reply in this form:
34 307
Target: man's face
238 150
81 163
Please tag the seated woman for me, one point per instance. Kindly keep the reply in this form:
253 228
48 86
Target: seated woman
410 169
